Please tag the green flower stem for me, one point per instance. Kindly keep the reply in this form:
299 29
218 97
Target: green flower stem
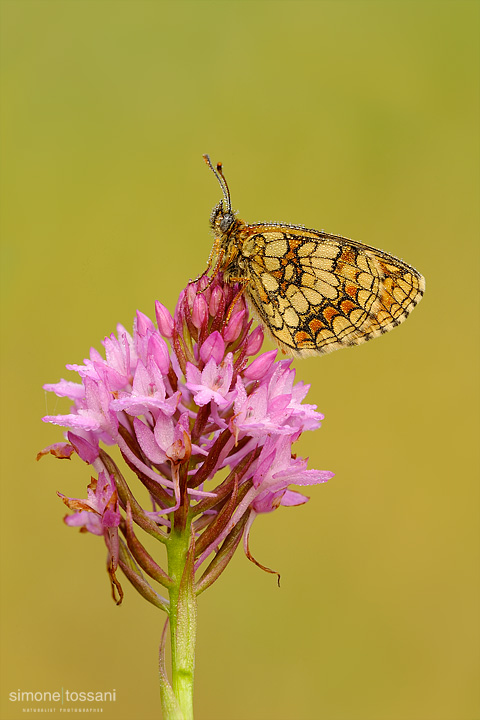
183 621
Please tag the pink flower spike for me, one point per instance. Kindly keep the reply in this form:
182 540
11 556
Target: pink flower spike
213 347
260 366
164 320
180 406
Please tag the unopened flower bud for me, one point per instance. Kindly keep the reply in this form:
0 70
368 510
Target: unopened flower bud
255 340
234 327
164 320
157 348
144 324
215 300
200 311
190 295
260 366
213 346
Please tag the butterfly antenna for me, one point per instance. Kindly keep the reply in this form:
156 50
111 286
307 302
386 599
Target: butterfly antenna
221 179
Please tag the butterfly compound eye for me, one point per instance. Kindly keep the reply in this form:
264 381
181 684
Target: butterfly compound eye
226 222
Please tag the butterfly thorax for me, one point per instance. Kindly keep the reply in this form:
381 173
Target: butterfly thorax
230 234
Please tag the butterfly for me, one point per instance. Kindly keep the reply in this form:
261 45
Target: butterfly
314 292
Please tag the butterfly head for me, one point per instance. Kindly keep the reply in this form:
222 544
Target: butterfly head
221 219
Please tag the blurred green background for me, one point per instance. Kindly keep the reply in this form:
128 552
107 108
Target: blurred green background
357 117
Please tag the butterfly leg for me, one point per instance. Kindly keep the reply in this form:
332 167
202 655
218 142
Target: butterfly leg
213 252
243 282
212 277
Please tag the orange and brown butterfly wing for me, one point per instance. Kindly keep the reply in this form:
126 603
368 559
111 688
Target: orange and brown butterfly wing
317 292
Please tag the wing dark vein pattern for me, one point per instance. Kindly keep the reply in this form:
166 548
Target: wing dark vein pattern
317 292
